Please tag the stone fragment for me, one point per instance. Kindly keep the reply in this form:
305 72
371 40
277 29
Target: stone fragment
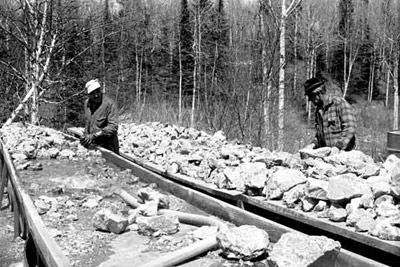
367 201
309 203
387 209
317 189
384 198
173 168
300 250
281 181
380 189
204 232
254 174
41 206
365 224
344 187
19 157
368 170
53 152
108 221
90 203
337 214
72 217
315 153
158 225
321 206
392 165
239 242
150 208
384 230
293 195
355 215
132 215
232 179
66 154
354 159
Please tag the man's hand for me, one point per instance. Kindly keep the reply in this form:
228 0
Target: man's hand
310 146
339 144
87 140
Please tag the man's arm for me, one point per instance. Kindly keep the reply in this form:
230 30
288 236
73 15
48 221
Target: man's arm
112 122
348 123
85 108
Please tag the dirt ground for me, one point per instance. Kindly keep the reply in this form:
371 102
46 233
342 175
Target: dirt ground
11 249
71 184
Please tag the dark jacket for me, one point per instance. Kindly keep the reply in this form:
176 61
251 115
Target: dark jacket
104 119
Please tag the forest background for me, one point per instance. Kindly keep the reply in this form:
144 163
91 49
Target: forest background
231 65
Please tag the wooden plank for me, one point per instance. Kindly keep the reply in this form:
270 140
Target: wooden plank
49 251
341 229
3 179
231 213
16 210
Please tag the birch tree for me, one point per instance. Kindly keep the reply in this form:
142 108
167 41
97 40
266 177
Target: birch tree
38 38
285 13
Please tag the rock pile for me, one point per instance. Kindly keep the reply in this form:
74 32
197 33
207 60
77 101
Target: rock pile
208 157
339 185
27 142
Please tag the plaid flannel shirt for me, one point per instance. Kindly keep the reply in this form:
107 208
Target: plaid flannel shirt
335 124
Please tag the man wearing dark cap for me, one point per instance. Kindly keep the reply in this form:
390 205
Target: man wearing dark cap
101 119
335 121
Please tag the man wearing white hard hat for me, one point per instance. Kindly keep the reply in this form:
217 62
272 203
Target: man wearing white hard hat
101 119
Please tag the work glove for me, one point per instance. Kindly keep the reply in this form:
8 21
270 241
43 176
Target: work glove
339 144
87 140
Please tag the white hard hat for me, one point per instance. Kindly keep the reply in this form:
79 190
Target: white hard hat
92 85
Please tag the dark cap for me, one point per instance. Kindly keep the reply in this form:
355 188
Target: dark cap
311 84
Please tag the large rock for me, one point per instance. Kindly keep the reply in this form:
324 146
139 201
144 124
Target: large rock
315 153
392 165
158 225
240 242
344 187
281 181
108 221
385 230
319 169
365 224
300 250
354 159
254 174
355 215
294 194
317 189
337 214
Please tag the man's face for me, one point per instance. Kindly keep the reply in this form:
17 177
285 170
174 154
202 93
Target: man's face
316 99
95 96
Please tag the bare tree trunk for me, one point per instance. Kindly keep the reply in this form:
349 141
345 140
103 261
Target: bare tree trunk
120 60
387 86
396 92
295 53
180 84
281 88
266 87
